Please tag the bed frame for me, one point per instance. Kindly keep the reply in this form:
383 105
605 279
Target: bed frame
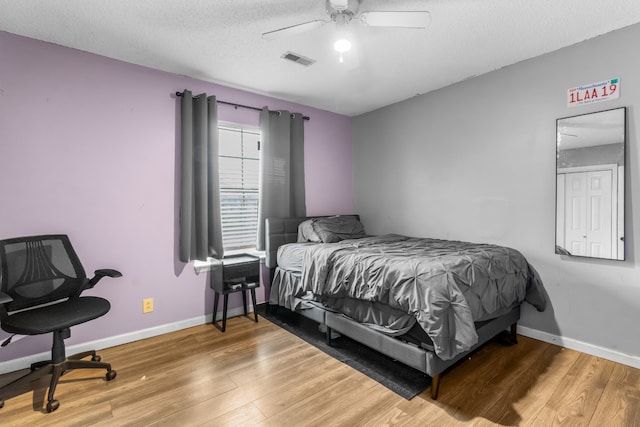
280 231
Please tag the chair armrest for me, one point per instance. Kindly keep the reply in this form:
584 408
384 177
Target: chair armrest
4 298
99 274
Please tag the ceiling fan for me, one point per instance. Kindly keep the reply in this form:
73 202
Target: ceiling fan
342 12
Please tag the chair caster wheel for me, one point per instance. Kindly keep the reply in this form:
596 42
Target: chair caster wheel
111 375
96 358
52 405
1 403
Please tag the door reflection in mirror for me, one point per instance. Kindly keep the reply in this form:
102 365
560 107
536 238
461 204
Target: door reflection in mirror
590 159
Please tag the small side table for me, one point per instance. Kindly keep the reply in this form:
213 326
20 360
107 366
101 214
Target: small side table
238 273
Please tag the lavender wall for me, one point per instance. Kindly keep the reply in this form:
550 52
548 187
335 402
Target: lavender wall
88 148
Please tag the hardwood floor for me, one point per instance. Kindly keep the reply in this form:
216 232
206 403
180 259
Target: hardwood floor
258 374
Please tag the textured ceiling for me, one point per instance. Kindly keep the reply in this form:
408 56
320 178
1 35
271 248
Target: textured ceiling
220 41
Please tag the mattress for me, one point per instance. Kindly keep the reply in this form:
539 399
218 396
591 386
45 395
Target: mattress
391 281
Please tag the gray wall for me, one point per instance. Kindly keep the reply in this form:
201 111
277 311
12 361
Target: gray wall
476 161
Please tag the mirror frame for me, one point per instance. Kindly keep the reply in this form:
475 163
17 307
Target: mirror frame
587 172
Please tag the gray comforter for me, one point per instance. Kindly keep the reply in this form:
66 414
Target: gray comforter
446 285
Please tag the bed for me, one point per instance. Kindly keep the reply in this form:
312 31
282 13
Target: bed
427 303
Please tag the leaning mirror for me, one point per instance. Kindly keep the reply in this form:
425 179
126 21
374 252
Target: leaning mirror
590 157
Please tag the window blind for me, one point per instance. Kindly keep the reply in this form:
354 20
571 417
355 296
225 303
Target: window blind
239 191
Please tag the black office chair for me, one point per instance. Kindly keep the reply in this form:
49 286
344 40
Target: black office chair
41 279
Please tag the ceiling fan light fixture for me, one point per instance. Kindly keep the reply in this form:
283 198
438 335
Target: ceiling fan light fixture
342 45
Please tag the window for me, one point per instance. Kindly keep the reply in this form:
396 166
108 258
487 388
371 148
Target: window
239 160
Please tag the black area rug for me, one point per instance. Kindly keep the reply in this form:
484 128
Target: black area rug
397 377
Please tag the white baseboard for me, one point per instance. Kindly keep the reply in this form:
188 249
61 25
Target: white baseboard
594 350
25 362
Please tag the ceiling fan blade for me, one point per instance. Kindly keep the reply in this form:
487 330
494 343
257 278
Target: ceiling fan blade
413 19
292 30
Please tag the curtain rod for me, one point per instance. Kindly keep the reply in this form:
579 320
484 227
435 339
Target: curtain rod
248 107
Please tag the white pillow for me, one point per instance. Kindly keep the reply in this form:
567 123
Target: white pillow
306 233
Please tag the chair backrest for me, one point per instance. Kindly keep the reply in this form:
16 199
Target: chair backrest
36 270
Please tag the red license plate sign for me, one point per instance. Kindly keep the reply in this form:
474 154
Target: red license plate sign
595 92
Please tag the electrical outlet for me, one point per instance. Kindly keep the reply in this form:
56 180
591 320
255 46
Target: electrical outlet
147 305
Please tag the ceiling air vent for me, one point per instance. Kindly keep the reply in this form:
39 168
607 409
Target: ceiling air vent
298 58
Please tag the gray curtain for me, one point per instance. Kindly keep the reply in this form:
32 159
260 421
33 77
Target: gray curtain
281 167
200 223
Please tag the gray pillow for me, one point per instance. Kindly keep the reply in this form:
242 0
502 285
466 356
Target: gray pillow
336 228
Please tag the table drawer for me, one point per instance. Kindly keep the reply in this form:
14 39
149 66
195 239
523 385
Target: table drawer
236 271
